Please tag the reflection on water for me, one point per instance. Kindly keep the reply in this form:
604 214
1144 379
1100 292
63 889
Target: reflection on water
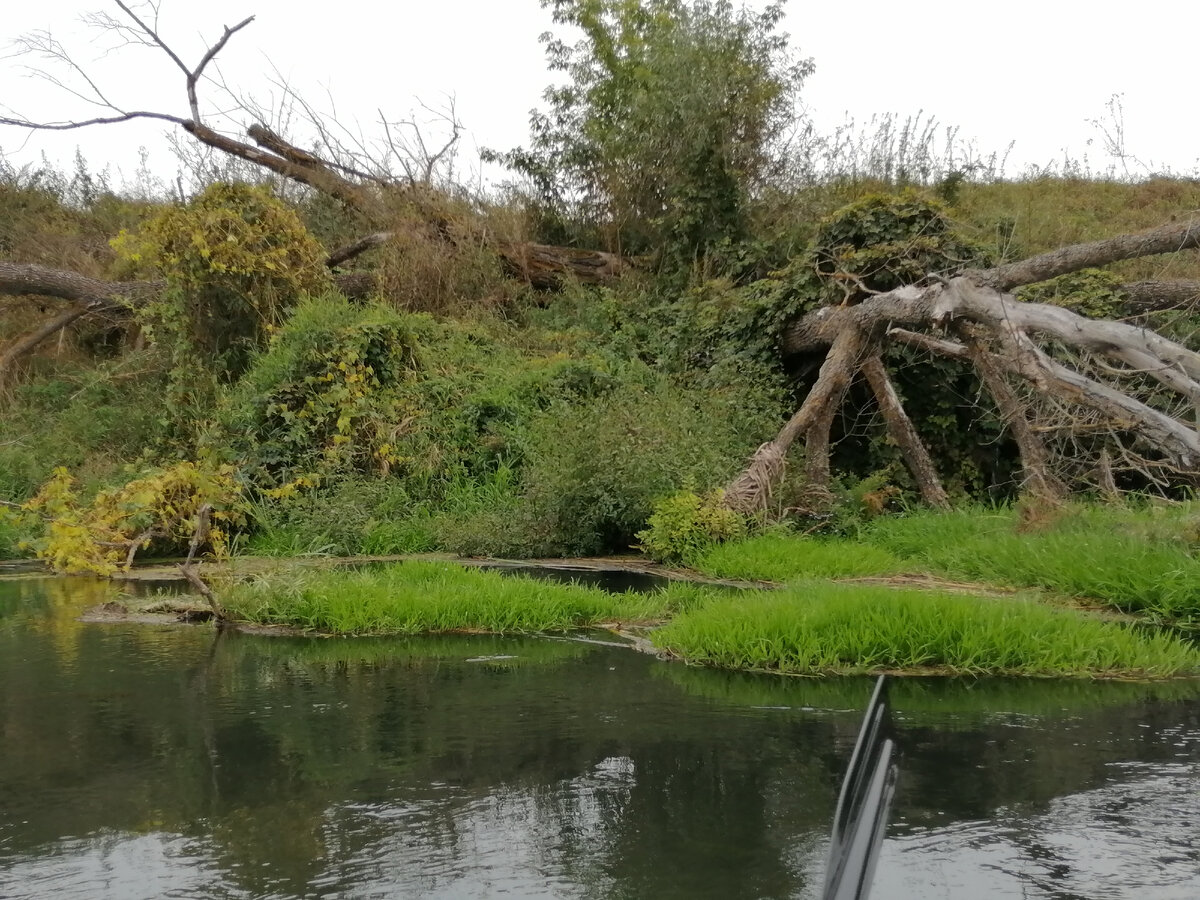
172 762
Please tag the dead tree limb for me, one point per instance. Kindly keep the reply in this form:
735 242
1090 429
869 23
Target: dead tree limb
91 296
1168 238
543 266
26 344
816 450
1159 296
1037 477
980 299
199 537
751 491
904 434
362 245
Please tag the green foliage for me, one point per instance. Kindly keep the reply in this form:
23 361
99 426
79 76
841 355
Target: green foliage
1094 293
595 469
235 260
162 505
686 524
16 533
93 419
344 516
419 597
818 628
320 401
668 124
883 241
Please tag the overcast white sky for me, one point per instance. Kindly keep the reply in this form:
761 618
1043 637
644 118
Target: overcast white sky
1029 71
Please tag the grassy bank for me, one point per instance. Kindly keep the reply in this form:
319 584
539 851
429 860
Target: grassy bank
810 628
821 628
1140 560
420 597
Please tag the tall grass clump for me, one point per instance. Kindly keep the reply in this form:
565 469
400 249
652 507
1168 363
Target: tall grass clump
817 627
784 557
1119 556
419 597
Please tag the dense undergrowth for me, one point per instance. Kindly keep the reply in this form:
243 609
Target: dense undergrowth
550 425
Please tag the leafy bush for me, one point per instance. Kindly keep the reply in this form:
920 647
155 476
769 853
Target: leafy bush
686 524
595 469
162 505
670 122
1094 293
235 260
319 402
93 419
883 241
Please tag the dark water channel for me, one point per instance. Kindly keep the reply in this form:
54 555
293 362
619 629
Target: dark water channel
148 762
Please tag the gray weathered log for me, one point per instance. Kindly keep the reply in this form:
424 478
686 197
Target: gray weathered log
1037 477
904 434
751 491
1168 238
1180 443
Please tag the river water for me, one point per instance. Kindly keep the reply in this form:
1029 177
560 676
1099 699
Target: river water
155 762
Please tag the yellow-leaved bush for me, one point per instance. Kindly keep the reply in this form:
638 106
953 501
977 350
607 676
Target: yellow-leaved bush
163 506
235 260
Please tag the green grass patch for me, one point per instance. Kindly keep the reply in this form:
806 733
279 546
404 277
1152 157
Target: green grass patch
419 597
817 628
783 557
1136 560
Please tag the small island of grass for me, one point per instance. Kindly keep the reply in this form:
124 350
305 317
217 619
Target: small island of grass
807 628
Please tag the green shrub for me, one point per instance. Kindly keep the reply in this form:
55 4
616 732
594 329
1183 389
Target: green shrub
235 260
93 419
686 524
319 402
594 470
343 516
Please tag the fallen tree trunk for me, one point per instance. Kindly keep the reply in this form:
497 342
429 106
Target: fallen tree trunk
1158 296
976 309
904 434
88 296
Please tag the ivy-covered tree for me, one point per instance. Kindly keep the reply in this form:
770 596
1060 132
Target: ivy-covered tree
669 122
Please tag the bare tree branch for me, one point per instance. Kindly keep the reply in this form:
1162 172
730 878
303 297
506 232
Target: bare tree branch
1157 296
